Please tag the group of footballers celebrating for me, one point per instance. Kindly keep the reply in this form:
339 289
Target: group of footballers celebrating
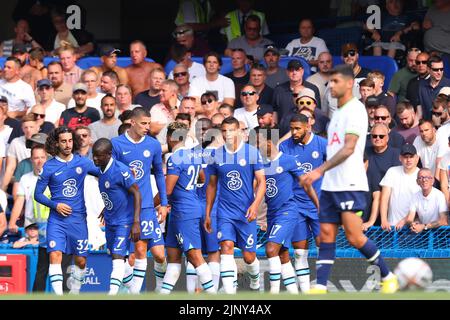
209 199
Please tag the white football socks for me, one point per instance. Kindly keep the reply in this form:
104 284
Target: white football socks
302 269
118 270
56 278
159 271
171 276
289 278
205 277
140 267
77 279
275 274
227 272
253 272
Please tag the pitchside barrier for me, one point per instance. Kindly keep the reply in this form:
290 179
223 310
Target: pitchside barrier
350 273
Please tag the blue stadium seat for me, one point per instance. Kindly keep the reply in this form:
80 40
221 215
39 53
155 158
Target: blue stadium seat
385 64
86 63
336 37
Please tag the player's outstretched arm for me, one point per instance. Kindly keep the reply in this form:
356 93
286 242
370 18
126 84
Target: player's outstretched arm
211 190
252 211
137 199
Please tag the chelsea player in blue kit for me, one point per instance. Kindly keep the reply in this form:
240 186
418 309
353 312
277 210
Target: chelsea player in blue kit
309 151
142 154
121 213
67 227
183 232
282 173
234 167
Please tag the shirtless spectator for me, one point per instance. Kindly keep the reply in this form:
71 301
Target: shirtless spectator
68 58
109 63
139 70
63 90
27 73
147 99
36 61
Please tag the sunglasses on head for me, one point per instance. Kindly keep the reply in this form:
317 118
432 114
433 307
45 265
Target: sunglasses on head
381 117
381 136
180 74
419 62
207 101
38 115
350 53
437 69
248 93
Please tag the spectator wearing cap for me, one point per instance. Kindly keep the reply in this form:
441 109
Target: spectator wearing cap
182 55
382 115
240 76
79 39
427 145
18 150
265 116
38 112
247 114
275 73
252 42
307 46
81 114
398 187
428 209
399 82
221 86
63 90
350 56
106 127
383 98
181 76
108 56
258 79
22 37
139 70
27 73
320 79
109 82
31 237
307 100
412 89
46 95
237 18
381 156
408 125
20 94
284 95
440 112
94 98
68 59
147 99
429 89
185 36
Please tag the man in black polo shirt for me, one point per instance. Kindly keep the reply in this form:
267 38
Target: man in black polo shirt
412 90
285 93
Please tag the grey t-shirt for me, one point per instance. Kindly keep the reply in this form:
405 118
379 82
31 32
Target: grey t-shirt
257 51
277 78
101 130
438 37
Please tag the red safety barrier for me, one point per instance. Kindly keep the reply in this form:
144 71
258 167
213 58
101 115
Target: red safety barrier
13 274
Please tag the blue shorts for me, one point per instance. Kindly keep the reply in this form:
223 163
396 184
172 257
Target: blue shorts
69 238
184 234
332 204
209 240
305 228
118 239
243 234
150 228
280 229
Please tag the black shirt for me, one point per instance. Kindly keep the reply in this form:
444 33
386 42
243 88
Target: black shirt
265 97
239 83
73 119
363 73
146 101
46 127
16 128
388 101
412 90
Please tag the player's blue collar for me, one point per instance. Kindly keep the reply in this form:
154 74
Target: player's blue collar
131 139
237 150
108 165
309 141
64 161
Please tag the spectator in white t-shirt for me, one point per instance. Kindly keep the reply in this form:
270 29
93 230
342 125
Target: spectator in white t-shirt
428 208
397 189
53 108
307 46
247 113
222 86
427 145
444 173
94 98
20 94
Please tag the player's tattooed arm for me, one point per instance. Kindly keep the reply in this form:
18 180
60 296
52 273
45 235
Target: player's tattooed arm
137 198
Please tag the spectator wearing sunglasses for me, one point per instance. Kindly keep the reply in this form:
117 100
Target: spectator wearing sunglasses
439 113
412 90
210 105
382 115
429 89
39 114
400 80
350 56
181 76
182 55
247 114
307 100
381 156
53 108
185 36
239 75
427 145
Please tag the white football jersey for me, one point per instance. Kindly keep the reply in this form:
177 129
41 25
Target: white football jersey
351 174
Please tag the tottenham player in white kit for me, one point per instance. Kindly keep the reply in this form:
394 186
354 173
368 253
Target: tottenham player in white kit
345 183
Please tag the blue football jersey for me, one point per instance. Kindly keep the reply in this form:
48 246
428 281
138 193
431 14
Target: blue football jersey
114 184
235 173
308 157
186 164
201 188
141 157
65 180
281 174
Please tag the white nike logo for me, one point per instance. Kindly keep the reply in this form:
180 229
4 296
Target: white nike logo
155 241
221 164
247 247
58 173
82 252
126 152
